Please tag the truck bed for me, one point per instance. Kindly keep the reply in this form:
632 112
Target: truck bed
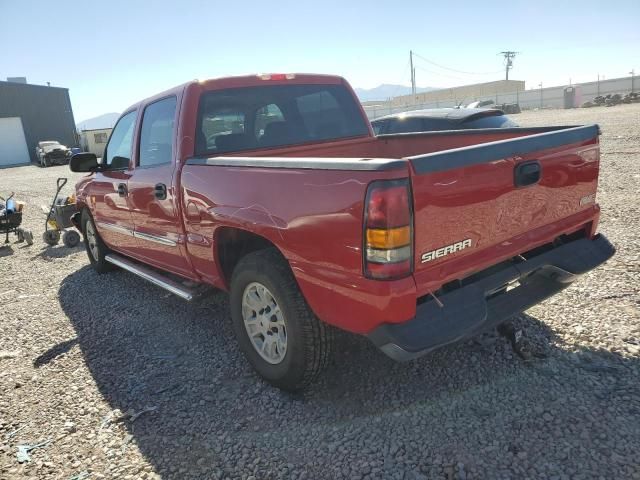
463 190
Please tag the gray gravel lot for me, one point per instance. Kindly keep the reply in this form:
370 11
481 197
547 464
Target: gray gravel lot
79 353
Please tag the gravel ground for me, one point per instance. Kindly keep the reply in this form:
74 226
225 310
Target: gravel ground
126 381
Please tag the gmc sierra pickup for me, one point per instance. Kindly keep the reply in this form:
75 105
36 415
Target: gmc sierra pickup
275 189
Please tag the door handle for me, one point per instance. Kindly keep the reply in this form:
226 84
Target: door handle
527 173
122 189
160 191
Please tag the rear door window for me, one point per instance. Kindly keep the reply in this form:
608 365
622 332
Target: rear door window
156 136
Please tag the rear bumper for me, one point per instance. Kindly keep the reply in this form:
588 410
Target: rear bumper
475 307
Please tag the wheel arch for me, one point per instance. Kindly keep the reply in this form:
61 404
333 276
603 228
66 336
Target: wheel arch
233 243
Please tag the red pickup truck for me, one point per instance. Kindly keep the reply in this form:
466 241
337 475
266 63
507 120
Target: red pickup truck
275 189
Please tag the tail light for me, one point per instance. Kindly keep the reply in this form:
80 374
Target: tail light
388 230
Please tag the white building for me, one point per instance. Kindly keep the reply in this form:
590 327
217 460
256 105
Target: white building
95 140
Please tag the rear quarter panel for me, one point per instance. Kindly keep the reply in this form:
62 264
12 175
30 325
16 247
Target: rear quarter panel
314 217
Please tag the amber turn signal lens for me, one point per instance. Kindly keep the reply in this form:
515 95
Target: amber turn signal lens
388 238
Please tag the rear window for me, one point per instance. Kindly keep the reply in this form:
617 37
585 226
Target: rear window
275 116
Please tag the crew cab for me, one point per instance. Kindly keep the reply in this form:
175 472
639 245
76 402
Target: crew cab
275 189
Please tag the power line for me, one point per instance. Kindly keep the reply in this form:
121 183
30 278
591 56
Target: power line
440 74
453 69
406 67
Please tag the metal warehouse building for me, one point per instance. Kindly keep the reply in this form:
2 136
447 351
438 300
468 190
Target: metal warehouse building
29 114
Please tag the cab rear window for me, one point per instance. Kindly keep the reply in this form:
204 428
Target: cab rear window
273 116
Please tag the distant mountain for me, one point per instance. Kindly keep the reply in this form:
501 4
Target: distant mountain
106 120
384 91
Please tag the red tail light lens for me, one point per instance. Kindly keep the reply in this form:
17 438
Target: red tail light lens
388 232
388 206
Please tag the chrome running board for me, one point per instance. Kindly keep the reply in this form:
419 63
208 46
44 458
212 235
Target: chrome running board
151 276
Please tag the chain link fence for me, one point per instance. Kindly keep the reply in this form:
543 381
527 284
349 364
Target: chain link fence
550 97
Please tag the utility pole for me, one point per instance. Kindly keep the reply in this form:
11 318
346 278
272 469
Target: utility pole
598 84
413 74
508 62
632 73
541 102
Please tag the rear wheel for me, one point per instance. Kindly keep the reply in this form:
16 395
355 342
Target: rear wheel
96 249
275 328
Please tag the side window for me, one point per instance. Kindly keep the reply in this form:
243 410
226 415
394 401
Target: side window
264 116
156 135
119 146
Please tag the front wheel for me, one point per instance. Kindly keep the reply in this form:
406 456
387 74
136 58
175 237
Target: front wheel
275 328
96 248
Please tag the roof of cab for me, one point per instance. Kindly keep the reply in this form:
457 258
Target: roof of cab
244 81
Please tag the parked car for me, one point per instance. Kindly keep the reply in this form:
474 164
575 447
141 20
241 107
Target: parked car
51 152
437 119
275 189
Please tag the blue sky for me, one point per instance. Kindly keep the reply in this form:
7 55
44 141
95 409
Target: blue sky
113 53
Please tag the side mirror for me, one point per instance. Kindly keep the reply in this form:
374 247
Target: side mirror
83 162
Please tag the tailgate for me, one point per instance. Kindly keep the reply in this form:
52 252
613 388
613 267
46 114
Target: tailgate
476 206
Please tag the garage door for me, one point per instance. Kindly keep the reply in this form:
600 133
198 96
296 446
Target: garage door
13 146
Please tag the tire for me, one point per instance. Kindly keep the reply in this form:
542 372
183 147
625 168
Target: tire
308 341
70 238
96 249
51 237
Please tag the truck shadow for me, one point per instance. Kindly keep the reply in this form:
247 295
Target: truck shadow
149 350
58 251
